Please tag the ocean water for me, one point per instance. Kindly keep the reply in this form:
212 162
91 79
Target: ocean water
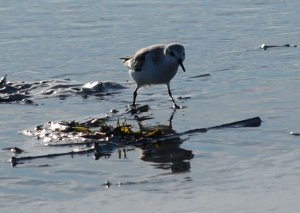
70 42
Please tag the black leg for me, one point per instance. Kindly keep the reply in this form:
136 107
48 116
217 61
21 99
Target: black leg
134 96
170 94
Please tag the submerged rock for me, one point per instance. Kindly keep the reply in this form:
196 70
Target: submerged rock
14 150
14 98
26 92
3 81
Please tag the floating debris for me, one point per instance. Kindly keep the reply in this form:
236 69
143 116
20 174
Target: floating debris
20 160
201 76
184 97
265 47
295 133
107 184
122 132
251 122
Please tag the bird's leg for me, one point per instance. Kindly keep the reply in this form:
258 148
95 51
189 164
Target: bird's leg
170 94
134 96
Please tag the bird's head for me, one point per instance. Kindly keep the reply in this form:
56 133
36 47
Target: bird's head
176 52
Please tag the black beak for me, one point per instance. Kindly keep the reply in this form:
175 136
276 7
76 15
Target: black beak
181 64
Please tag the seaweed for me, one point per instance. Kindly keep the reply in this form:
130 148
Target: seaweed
158 143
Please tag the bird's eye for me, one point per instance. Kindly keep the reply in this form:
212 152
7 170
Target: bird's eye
171 53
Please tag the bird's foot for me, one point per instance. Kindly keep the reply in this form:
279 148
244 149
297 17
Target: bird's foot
175 106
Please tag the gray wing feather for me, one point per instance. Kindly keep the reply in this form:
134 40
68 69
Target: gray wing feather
137 61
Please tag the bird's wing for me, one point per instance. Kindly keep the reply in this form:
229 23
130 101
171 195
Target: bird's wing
137 61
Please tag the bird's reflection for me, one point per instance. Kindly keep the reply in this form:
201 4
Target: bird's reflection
167 153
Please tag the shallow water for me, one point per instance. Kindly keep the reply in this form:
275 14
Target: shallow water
232 170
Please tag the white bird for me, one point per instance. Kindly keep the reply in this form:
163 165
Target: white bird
156 64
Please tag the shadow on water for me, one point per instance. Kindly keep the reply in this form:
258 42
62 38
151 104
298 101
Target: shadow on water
167 154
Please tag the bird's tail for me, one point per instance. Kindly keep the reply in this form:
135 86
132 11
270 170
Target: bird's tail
125 59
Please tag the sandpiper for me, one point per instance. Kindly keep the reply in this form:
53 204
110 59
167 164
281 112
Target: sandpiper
156 64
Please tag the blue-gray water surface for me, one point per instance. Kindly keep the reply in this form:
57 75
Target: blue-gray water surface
232 170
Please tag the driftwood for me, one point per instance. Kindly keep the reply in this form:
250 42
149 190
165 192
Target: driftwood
95 149
19 160
251 122
201 76
265 47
